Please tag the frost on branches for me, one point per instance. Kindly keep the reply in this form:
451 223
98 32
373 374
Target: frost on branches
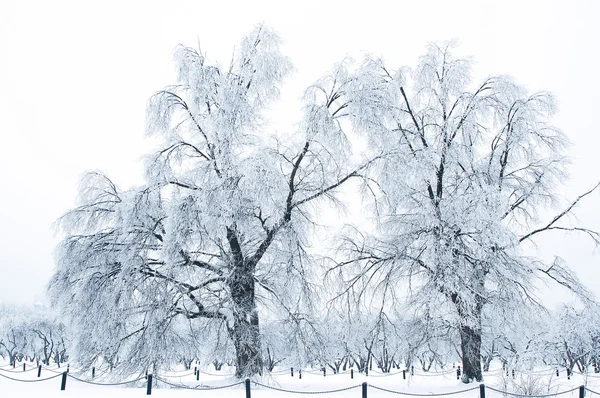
220 225
470 168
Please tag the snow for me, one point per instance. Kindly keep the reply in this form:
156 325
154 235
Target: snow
312 381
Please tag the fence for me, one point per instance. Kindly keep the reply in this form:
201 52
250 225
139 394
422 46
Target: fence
364 387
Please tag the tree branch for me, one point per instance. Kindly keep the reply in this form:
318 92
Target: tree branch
559 216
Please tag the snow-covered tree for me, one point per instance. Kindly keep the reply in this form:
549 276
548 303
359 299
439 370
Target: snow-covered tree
14 335
574 337
220 227
471 170
33 334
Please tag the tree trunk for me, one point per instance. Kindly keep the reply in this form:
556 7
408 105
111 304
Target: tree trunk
470 329
486 363
245 331
470 344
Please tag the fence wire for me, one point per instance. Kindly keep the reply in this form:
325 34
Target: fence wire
54 371
17 371
531 396
305 392
32 380
427 374
105 384
423 395
213 374
182 375
199 387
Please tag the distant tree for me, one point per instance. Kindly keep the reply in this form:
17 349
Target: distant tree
31 334
222 222
574 337
471 170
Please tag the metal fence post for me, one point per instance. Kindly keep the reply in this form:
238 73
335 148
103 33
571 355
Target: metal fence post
248 394
93 372
404 374
149 385
581 391
324 371
63 383
482 391
24 367
39 370
299 373
352 373
292 371
364 390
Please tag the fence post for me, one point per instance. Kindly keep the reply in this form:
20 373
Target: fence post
68 367
366 370
300 373
352 373
93 372
146 375
412 370
292 371
195 370
568 374
513 373
482 391
581 391
63 383
39 370
364 390
149 385
404 374
557 374
458 373
248 388
23 367
198 375
324 371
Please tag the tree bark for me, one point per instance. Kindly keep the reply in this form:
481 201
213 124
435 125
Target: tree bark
470 344
470 336
245 331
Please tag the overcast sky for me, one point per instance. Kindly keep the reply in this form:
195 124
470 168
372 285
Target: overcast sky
75 77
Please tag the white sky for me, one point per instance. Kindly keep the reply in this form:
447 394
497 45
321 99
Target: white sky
75 77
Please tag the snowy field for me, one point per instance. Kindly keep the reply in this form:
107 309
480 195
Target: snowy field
538 382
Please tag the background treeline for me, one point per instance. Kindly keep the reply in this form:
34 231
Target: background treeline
32 335
566 338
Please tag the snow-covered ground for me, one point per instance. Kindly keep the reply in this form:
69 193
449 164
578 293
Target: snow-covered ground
541 381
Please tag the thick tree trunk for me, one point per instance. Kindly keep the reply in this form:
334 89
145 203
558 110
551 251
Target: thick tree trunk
470 344
245 331
470 337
